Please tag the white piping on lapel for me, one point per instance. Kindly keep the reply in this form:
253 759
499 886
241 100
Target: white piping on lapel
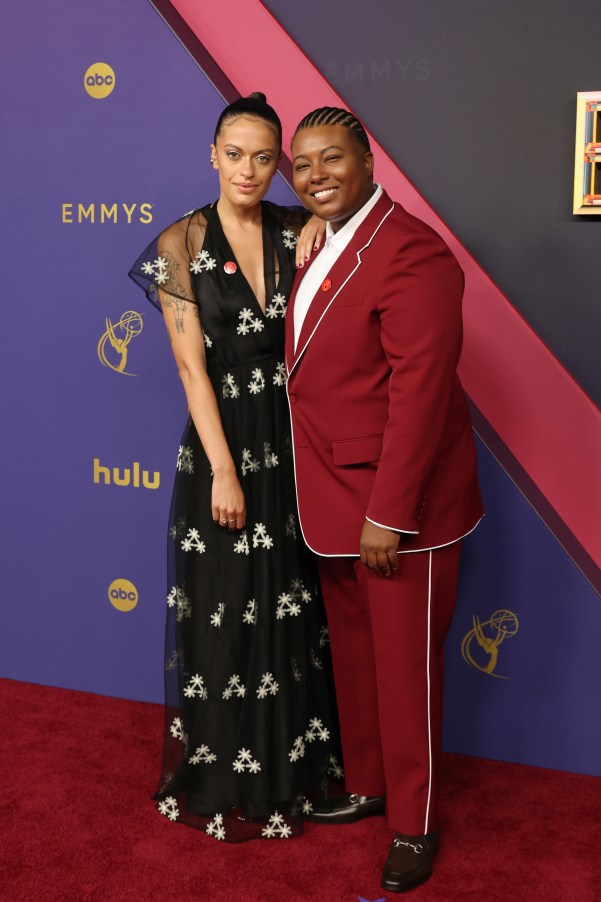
350 275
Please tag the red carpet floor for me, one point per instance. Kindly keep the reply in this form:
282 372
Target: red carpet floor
77 823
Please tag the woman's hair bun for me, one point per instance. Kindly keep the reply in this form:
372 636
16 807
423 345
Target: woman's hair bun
255 106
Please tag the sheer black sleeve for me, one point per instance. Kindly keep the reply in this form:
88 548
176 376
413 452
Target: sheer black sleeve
163 270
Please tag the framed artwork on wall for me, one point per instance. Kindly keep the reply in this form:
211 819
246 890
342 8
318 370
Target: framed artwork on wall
587 165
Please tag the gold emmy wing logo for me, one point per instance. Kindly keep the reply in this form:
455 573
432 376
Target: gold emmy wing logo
123 595
119 336
480 647
99 80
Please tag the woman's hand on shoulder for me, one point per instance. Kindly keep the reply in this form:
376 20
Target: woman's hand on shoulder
309 240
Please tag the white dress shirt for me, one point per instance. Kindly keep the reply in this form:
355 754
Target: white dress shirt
335 244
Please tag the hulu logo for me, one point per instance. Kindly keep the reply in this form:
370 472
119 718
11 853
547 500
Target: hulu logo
125 476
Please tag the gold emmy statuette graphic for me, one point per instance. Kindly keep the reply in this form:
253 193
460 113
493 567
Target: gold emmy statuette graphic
119 336
123 595
99 80
488 637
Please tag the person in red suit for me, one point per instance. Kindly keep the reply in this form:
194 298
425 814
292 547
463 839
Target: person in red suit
386 476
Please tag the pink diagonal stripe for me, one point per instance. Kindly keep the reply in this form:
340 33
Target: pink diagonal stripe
545 419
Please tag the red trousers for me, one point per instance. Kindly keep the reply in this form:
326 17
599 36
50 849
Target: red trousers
387 638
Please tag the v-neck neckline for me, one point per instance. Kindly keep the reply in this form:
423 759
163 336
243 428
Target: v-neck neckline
239 268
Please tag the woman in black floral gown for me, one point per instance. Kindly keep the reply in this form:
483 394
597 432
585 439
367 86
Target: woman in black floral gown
250 719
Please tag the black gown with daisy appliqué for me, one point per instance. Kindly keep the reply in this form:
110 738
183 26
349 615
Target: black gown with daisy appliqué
251 727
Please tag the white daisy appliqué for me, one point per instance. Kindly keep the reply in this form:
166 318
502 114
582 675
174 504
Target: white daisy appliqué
250 614
277 306
168 807
245 761
229 388
276 828
202 262
203 755
315 661
249 465
185 459
178 599
260 537
290 527
172 662
268 686
215 828
192 542
178 528
196 688
307 806
241 546
270 459
177 730
280 374
217 617
248 322
157 269
234 687
298 591
287 606
290 239
257 383
335 768
298 749
317 731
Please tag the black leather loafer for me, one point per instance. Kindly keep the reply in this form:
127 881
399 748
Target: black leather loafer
409 862
346 809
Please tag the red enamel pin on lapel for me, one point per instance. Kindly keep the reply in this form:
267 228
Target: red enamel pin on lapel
326 284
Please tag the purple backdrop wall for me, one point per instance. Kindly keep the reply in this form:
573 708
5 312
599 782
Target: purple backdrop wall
68 537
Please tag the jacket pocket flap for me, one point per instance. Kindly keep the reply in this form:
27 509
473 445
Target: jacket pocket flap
348 297
357 450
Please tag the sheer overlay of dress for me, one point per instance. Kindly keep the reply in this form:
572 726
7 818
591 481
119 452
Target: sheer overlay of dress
251 725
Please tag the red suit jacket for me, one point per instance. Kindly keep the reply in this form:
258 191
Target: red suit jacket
380 424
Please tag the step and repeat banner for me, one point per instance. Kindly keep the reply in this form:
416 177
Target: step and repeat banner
107 126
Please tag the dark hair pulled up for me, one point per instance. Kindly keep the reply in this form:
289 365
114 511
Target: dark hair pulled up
255 106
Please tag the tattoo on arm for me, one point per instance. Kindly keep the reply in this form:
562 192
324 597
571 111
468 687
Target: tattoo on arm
179 311
176 298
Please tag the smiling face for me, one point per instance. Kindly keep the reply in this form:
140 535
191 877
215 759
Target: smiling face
246 155
333 173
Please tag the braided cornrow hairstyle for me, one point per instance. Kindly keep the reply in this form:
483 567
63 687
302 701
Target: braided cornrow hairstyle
331 115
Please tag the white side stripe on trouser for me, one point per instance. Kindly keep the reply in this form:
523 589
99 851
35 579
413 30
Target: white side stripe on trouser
428 672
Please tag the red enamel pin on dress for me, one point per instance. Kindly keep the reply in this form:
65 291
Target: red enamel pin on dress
230 267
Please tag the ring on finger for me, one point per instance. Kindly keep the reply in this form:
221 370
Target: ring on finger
224 522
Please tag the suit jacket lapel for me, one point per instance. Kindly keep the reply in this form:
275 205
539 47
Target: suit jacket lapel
289 337
339 275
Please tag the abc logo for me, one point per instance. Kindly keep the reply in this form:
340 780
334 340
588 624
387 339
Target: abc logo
99 80
123 595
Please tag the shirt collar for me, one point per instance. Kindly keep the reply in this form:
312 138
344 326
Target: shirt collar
344 235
